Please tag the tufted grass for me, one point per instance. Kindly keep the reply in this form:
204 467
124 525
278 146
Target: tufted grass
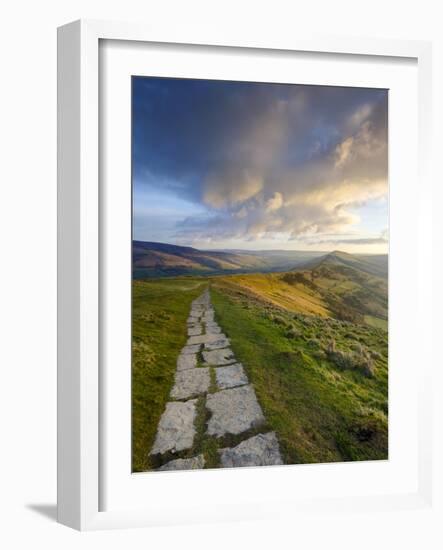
321 413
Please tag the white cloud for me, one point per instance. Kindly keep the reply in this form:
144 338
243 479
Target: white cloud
262 199
231 187
343 151
275 202
358 117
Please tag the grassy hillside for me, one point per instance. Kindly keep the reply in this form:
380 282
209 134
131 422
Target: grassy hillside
313 343
323 383
159 312
280 289
352 294
371 264
329 290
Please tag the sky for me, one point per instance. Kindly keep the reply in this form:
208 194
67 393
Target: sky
239 165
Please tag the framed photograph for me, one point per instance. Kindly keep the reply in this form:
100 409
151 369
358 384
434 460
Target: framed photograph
242 274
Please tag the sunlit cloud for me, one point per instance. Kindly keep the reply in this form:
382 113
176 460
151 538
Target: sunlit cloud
275 202
263 162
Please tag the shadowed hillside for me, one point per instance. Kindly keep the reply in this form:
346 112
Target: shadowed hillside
158 259
376 264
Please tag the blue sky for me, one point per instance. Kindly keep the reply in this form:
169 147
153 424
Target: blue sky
259 166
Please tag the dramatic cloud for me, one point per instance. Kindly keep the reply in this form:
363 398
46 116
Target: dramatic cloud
275 202
264 161
230 187
343 151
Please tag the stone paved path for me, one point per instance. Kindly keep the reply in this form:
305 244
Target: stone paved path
232 403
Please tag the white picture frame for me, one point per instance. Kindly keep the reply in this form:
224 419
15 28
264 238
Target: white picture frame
80 295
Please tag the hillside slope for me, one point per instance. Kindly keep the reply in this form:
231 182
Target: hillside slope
331 289
322 383
350 288
376 264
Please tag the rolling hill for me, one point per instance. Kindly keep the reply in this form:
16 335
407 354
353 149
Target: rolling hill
354 288
376 264
159 259
334 287
152 259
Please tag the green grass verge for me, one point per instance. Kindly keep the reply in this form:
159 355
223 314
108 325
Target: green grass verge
159 312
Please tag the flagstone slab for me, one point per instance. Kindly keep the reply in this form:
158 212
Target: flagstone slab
186 361
208 317
260 450
195 348
233 411
219 343
231 376
194 330
191 382
204 338
212 328
175 430
194 463
193 319
218 357
202 301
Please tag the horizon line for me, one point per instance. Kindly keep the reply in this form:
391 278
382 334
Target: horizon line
263 249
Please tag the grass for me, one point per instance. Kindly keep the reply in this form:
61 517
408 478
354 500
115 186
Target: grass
376 322
274 288
321 412
321 379
329 290
160 310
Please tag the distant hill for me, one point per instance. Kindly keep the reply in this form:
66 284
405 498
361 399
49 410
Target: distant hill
158 259
151 259
283 258
376 264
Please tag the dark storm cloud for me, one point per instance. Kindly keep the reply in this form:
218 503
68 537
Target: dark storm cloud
262 158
